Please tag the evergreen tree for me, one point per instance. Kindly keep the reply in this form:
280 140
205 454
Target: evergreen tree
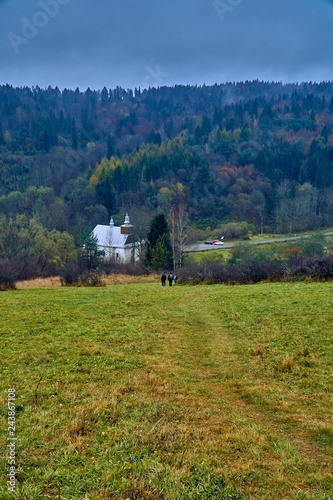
159 251
216 120
110 147
254 109
157 139
91 257
323 103
168 127
74 135
263 163
271 202
206 125
325 133
104 96
2 139
45 141
160 254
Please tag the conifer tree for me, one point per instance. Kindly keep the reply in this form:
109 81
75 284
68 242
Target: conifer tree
330 109
45 141
110 147
159 251
104 96
2 138
74 135
91 256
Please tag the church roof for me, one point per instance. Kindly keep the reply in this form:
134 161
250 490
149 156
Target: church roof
110 236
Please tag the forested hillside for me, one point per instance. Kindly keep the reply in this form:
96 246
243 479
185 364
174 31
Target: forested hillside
254 151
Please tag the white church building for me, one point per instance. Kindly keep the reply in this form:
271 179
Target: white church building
117 241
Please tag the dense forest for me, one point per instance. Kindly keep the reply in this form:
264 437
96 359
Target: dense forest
256 152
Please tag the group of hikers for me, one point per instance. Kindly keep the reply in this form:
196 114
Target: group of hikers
171 277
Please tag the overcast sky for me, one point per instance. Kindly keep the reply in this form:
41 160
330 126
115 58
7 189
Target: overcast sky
132 43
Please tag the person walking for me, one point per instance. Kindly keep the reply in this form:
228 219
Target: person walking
163 278
170 278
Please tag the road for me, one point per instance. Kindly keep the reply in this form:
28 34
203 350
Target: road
201 247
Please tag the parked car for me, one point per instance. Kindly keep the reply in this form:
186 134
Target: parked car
218 242
209 242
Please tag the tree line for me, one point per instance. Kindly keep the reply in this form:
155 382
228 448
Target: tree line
254 152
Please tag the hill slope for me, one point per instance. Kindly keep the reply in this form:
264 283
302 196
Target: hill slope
255 151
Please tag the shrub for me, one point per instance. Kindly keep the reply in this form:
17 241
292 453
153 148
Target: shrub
253 271
239 272
315 267
77 274
237 230
70 274
195 235
242 251
312 246
292 253
91 278
112 267
7 275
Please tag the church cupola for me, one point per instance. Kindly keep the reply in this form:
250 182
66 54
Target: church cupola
126 227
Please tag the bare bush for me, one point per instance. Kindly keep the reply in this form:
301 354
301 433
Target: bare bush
254 271
91 278
113 267
315 267
70 274
7 275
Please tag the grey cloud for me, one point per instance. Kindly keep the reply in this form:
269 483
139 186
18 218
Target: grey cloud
113 43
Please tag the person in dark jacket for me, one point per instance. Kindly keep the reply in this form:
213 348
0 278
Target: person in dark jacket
170 278
163 279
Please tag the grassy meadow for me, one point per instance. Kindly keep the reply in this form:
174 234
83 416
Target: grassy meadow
134 391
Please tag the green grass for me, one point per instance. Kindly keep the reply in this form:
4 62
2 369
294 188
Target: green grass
143 392
209 256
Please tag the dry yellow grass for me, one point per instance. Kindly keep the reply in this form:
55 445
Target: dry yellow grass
121 279
50 282
112 279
